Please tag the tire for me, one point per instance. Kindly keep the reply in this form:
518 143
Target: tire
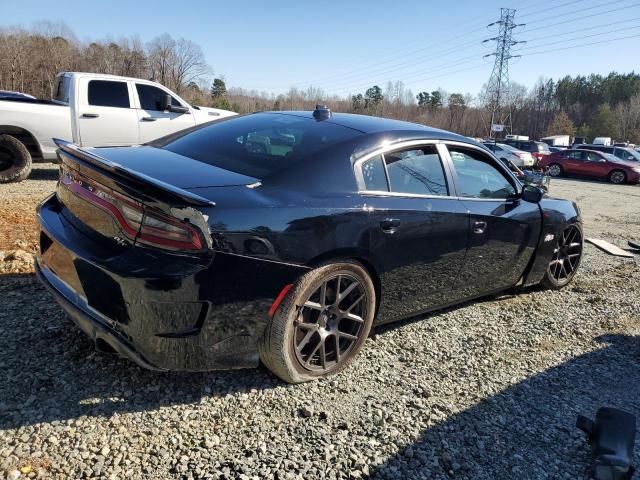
555 170
15 160
299 343
566 258
617 177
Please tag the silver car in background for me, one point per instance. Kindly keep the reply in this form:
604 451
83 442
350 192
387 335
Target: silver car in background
507 152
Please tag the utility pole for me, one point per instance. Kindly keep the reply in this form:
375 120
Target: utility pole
498 84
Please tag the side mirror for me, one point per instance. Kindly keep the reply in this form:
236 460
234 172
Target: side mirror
531 194
166 103
168 107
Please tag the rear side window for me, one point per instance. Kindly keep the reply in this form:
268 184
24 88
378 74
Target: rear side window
151 97
105 93
477 176
416 171
257 145
374 175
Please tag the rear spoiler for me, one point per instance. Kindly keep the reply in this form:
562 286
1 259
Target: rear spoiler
127 173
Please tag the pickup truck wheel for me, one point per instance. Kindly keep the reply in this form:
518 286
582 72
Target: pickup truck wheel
15 160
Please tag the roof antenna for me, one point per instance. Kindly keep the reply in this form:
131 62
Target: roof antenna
321 112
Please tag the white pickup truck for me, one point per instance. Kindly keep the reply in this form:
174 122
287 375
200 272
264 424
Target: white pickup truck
90 110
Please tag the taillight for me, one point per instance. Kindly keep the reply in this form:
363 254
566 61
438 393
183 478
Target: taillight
137 222
168 232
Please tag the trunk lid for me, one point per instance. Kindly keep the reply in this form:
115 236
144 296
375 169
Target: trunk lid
171 168
123 196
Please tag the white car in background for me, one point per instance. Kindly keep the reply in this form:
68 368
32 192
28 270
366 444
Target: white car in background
91 110
507 152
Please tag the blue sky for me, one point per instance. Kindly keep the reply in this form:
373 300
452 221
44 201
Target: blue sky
345 46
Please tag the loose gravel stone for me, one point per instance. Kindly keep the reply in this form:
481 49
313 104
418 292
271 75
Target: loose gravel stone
486 390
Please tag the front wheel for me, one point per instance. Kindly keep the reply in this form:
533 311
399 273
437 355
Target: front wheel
617 177
566 259
321 324
555 170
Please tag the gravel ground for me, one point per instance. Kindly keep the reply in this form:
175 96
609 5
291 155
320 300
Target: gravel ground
488 390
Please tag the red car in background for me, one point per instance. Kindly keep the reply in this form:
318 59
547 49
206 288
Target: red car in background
589 163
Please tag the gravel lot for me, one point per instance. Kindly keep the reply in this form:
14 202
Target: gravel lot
482 391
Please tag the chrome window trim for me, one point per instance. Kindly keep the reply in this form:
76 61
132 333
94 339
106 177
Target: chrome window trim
357 166
382 193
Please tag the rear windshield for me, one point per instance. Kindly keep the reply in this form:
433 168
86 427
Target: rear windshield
257 145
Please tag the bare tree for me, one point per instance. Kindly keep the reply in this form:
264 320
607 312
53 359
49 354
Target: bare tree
188 64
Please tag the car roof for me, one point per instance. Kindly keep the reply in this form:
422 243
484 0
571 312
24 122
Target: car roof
368 124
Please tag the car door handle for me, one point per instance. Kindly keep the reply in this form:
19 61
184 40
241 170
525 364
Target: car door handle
479 227
390 225
90 115
148 119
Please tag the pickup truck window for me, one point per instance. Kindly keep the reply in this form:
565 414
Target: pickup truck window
61 89
151 97
104 93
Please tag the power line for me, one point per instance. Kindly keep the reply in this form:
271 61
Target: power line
552 8
394 68
338 80
476 67
583 45
575 38
436 68
338 87
413 52
583 29
573 20
606 4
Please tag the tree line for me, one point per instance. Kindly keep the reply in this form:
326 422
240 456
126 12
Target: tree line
585 106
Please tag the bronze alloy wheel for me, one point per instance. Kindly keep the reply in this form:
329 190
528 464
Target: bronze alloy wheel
321 324
566 257
329 323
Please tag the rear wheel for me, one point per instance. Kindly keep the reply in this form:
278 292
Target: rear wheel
15 160
566 259
321 324
555 170
617 177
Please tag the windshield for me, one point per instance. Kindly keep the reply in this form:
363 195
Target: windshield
257 145
629 152
543 147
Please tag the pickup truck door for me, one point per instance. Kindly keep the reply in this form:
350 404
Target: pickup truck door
106 116
153 122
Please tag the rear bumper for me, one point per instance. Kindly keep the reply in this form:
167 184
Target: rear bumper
164 311
89 320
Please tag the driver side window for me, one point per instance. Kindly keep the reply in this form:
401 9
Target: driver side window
477 177
151 97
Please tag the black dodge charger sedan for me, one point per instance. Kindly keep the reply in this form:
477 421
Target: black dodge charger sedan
285 236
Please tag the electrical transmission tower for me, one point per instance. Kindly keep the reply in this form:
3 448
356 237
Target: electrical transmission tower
498 85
